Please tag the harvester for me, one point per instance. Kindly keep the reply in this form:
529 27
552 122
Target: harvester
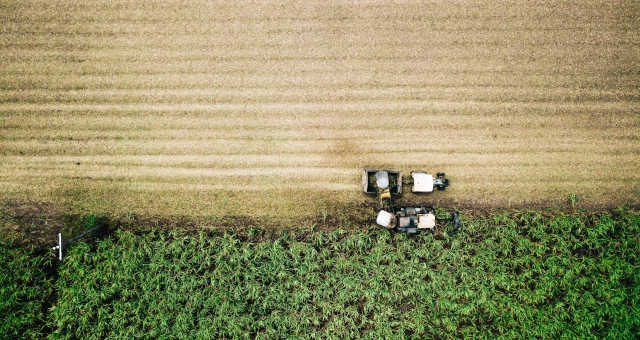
387 184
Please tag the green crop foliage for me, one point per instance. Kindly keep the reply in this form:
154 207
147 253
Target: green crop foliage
511 275
25 289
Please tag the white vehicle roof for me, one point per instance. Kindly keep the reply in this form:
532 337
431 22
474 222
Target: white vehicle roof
382 179
384 219
427 221
422 182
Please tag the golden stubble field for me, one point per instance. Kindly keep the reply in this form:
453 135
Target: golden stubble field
228 108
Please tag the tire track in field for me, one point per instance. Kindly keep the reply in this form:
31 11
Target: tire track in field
310 96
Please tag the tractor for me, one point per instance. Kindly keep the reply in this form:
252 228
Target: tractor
386 184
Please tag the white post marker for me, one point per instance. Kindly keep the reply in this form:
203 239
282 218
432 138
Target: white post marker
60 246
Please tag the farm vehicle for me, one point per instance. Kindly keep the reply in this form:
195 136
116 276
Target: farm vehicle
387 184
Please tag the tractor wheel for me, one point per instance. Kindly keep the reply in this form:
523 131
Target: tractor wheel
456 221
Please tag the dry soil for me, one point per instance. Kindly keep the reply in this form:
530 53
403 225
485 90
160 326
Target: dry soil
228 108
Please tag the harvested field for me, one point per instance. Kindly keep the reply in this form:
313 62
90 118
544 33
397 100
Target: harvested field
270 109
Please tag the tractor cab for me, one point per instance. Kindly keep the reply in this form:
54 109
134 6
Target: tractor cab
424 182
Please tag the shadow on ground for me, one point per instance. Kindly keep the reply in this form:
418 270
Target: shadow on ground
34 223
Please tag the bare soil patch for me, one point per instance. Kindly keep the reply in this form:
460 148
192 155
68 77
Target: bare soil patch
31 221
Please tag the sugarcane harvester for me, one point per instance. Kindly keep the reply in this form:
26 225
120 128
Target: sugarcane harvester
388 183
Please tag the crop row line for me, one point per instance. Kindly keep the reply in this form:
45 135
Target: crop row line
335 107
